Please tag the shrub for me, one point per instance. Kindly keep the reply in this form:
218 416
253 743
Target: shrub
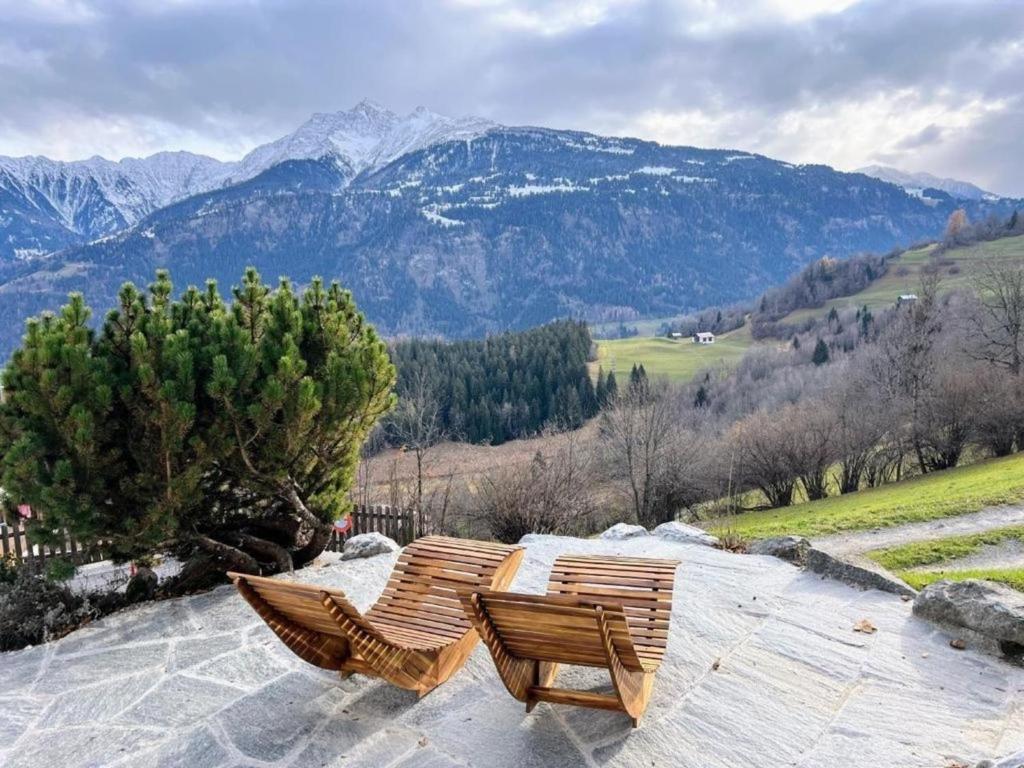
228 434
34 609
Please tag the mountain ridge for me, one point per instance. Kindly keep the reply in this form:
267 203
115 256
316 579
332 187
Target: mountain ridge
74 202
917 183
463 228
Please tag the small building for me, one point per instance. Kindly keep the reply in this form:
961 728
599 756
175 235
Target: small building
703 337
905 298
675 335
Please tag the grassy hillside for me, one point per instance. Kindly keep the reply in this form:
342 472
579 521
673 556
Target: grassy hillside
904 275
679 360
949 493
675 359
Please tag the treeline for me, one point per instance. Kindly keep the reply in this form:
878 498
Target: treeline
500 388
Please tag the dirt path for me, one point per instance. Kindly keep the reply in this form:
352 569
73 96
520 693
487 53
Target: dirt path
856 542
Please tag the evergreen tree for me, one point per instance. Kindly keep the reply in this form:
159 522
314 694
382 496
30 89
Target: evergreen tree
229 435
1012 223
820 356
611 388
701 399
506 386
796 342
602 390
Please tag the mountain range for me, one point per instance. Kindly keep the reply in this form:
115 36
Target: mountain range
450 226
918 183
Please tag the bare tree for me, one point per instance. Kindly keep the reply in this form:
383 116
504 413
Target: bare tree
416 425
997 321
904 363
947 416
651 451
861 423
999 417
554 494
815 450
764 445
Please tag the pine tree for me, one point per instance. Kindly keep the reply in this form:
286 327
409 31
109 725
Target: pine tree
611 388
796 342
229 435
701 399
602 389
820 356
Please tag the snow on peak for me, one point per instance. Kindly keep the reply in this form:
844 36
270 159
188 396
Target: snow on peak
364 137
919 181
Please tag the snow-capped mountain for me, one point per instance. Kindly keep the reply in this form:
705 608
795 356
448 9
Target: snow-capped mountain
457 227
46 205
364 138
460 229
917 183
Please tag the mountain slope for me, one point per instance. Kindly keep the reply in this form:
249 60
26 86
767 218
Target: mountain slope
916 183
503 229
47 205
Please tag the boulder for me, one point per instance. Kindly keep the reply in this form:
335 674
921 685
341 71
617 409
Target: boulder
621 531
141 586
1010 761
368 545
790 548
991 611
857 576
688 534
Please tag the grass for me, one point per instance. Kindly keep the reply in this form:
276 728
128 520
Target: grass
1011 577
942 550
674 359
949 493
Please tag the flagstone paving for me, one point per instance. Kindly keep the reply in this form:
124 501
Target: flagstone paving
201 682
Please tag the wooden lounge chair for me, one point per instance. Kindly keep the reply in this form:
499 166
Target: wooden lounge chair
416 634
610 612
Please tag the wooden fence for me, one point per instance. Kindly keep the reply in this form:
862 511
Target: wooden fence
14 543
397 524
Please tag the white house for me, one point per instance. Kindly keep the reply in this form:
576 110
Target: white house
703 337
675 335
906 298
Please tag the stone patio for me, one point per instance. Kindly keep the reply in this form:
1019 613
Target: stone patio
202 682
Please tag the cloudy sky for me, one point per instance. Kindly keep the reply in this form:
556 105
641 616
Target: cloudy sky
936 85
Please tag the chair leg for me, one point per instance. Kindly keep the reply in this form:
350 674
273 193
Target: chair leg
633 687
546 671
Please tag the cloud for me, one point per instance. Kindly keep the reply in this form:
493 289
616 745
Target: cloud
924 84
930 134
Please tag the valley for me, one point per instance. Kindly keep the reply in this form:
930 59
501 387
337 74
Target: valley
679 360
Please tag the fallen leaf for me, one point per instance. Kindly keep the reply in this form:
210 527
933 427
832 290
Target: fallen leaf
959 643
865 626
717 663
423 742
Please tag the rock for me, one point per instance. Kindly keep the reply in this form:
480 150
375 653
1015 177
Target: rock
688 534
992 611
141 586
621 531
855 575
790 548
1015 760
368 545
